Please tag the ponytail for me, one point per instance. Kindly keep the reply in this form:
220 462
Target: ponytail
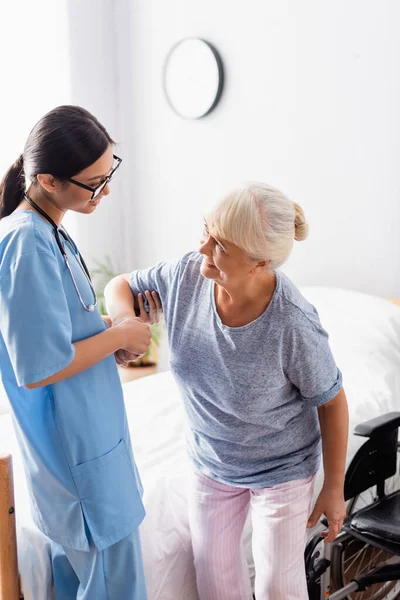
12 188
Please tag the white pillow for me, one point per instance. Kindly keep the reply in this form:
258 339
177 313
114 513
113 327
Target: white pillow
364 334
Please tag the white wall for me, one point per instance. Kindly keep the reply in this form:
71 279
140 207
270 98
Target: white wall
54 53
93 41
311 105
34 67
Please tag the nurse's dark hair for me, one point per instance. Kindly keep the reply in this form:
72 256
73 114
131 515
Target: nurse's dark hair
63 143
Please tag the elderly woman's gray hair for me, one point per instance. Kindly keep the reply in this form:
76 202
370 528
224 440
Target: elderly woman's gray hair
260 220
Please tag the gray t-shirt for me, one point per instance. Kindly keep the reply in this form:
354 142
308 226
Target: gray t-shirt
250 392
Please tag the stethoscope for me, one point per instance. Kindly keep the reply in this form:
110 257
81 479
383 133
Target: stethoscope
60 230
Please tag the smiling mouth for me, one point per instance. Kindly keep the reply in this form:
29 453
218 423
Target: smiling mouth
209 265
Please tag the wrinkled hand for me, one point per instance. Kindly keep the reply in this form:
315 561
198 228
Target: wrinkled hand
330 503
155 308
123 358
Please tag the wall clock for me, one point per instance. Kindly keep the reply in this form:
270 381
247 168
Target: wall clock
193 78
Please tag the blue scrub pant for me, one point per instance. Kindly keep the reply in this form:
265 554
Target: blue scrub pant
115 573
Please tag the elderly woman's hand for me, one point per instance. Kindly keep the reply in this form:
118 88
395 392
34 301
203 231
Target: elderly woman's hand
155 309
330 503
123 358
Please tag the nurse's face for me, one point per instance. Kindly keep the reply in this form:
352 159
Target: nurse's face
72 197
61 196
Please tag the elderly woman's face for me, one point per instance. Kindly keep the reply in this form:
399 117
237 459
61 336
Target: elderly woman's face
223 262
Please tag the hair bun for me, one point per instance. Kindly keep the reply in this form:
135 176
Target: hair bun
300 224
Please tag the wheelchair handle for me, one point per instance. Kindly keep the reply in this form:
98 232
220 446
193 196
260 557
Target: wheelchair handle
379 426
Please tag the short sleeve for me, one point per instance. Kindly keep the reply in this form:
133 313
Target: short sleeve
311 366
158 279
34 318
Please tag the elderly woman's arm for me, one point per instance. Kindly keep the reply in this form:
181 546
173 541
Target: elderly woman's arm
120 301
119 297
334 423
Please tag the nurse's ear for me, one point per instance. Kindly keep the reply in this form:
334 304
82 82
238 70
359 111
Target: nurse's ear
49 183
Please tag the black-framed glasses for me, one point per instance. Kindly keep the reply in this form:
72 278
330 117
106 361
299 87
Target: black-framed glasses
98 189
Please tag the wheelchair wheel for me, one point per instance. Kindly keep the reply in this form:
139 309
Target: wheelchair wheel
353 557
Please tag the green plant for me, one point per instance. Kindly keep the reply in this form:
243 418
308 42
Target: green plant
102 273
101 276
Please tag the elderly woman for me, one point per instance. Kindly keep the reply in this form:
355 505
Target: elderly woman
260 388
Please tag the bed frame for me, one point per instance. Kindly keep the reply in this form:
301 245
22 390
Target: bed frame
9 579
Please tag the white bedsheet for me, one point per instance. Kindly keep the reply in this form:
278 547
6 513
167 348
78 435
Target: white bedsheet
365 339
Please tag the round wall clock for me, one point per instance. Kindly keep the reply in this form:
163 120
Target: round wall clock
193 78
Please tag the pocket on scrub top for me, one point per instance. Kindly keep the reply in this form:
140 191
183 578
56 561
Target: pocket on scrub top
108 491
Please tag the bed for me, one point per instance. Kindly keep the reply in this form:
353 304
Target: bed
365 339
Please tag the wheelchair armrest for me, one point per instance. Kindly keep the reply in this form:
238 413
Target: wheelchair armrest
379 426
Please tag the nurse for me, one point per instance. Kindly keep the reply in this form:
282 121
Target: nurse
57 362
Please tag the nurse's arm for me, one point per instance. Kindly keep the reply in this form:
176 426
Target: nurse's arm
130 334
121 301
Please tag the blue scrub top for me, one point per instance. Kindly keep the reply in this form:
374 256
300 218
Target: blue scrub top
74 434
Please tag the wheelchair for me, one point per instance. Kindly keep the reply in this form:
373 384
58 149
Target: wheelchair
363 562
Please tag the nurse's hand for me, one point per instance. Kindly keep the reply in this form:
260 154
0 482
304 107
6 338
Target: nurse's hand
135 335
155 308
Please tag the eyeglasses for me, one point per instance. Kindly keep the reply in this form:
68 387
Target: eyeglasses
98 189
